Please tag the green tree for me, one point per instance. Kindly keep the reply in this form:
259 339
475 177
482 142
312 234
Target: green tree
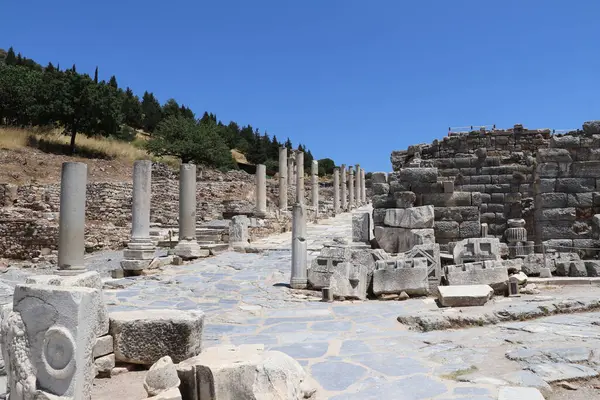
191 141
11 58
96 75
113 82
152 112
131 108
326 166
171 109
77 114
18 91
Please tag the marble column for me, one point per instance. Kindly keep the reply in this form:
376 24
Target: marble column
300 178
350 188
336 191
363 186
261 190
187 247
71 228
140 250
315 187
299 279
343 187
283 178
357 186
290 171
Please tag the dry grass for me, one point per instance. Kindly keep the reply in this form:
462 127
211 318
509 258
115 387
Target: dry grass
89 147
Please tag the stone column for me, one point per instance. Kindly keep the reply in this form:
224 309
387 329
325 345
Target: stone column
315 187
140 250
300 178
283 178
299 279
71 229
336 191
290 168
343 185
188 247
261 190
351 188
357 186
363 186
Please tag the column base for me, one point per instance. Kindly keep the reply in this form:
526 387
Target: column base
71 271
299 283
190 249
135 265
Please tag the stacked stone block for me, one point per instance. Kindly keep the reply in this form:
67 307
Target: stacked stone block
401 275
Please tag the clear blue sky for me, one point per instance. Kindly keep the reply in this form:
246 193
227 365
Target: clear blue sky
353 80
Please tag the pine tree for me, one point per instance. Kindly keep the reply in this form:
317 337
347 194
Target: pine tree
113 82
50 68
288 144
96 75
171 109
11 58
152 112
19 59
131 109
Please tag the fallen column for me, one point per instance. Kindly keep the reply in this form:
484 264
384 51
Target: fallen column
283 178
315 187
300 178
261 190
343 184
71 230
299 279
187 247
336 191
140 250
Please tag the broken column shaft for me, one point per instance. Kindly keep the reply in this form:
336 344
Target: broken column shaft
261 189
71 230
299 279
300 178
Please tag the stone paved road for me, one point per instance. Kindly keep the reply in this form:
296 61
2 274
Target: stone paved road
357 350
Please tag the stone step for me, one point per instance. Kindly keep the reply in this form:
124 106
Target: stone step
215 248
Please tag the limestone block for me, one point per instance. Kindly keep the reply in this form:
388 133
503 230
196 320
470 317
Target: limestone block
397 240
591 127
548 170
447 229
458 214
136 254
410 218
361 227
545 185
349 281
551 200
401 276
103 365
382 201
161 377
379 216
557 214
464 296
533 263
580 200
585 169
469 229
238 230
478 274
143 337
476 249
244 372
426 187
422 175
320 271
59 326
577 269
565 142
566 229
379 177
592 267
171 394
381 188
396 186
403 199
480 180
447 199
575 185
553 155
519 393
102 346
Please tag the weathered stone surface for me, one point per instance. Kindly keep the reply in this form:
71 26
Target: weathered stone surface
382 201
462 296
447 199
48 339
143 337
397 240
447 229
592 267
458 214
553 155
379 216
411 218
397 276
557 214
519 393
102 346
575 185
591 127
554 372
403 199
418 175
349 281
577 269
552 200
476 249
244 372
171 394
161 377
494 274
103 365
585 169
361 227
469 229
533 263
379 177
381 188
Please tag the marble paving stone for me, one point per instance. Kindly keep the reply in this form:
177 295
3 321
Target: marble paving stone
336 376
391 366
304 350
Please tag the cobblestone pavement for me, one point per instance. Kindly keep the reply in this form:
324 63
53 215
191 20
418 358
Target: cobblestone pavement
358 350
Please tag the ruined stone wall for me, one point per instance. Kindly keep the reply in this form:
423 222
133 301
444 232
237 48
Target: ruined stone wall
499 164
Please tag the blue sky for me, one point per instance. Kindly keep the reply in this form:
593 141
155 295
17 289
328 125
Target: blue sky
353 80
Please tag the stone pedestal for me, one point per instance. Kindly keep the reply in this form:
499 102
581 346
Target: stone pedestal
261 190
351 203
336 191
238 233
315 187
357 186
187 247
71 230
300 178
516 236
140 250
299 279
344 189
283 178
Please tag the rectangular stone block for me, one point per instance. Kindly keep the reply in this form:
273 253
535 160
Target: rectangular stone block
419 187
476 249
464 296
575 185
585 169
422 175
380 189
476 199
458 214
379 216
361 227
551 200
396 186
498 198
103 346
349 281
480 180
403 200
565 229
448 186
580 200
379 177
553 155
410 218
60 325
545 185
446 229
397 279
557 214
513 198
470 229
397 240
320 271
129 254
447 199
382 201
498 188
468 274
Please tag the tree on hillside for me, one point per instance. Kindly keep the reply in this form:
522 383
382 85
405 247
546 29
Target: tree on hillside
288 145
76 113
326 166
191 141
152 112
11 58
113 82
171 109
96 75
18 91
131 108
